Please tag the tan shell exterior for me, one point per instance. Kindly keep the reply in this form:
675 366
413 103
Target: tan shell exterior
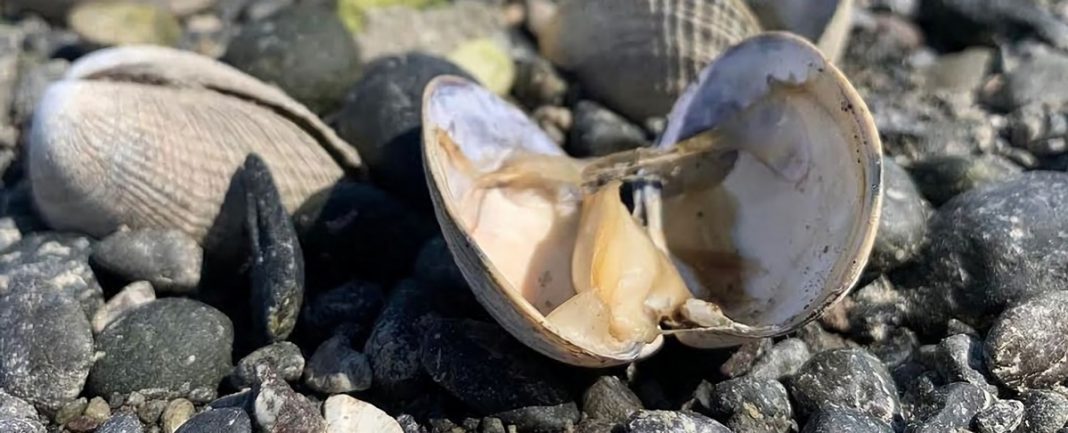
637 56
150 137
752 62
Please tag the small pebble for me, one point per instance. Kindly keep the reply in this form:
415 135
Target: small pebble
610 399
487 61
284 358
1028 345
846 378
278 409
121 423
60 259
20 425
538 83
942 178
168 259
746 404
959 358
130 297
951 407
150 412
394 344
225 420
336 368
903 224
97 409
178 411
598 131
663 421
783 359
71 410
1044 412
844 421
552 418
345 414
1001 417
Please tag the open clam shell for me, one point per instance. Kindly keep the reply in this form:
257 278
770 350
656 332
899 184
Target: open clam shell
755 212
150 137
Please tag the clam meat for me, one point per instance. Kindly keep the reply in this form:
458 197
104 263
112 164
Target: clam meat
754 212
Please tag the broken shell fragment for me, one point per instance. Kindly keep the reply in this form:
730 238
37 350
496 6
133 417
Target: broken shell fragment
755 212
150 137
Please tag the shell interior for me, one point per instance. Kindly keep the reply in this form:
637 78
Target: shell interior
765 224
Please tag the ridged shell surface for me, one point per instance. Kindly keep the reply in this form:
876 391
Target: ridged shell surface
149 137
637 56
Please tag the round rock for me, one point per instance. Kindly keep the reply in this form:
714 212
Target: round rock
1010 239
1001 417
225 420
664 421
169 259
1028 345
945 177
284 358
20 425
304 50
1044 411
903 224
121 423
846 378
597 131
844 421
14 407
46 343
336 368
394 344
382 117
746 404
610 399
177 345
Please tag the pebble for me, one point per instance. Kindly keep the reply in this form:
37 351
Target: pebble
1038 79
352 12
610 399
72 409
1001 417
441 29
487 61
747 404
169 259
130 297
277 272
959 358
124 422
124 23
845 378
178 411
382 118
46 343
284 358
20 425
783 359
34 78
336 368
663 421
487 370
345 414
343 234
59 259
903 224
174 345
545 419
355 302
97 409
150 412
225 420
278 409
14 407
876 310
538 83
844 421
1039 128
592 425
394 344
1006 237
972 22
960 72
1028 345
304 50
951 407
945 177
597 131
1044 412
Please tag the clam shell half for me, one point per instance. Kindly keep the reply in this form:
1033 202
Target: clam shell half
757 243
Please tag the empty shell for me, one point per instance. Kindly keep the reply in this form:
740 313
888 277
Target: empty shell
756 211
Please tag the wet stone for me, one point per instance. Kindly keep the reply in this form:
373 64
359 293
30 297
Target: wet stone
1028 345
741 361
903 224
483 367
355 302
951 407
546 419
845 378
121 423
20 425
62 260
1007 237
877 310
304 50
783 359
745 404
662 421
277 408
1044 412
942 178
174 345
597 131
225 420
844 421
382 118
169 259
1001 417
959 358
336 368
72 409
14 407
284 358
1038 79
130 297
394 344
610 399
178 411
592 425
46 343
150 412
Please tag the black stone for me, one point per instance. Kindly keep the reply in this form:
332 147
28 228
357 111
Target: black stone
46 343
355 229
897 348
395 342
277 408
336 368
1038 79
20 425
1044 412
304 50
176 345
951 407
382 117
169 259
353 303
877 310
227 420
959 358
746 404
783 359
1028 345
597 131
942 178
1001 417
485 368
1006 238
663 421
610 399
60 258
284 358
845 378
903 224
844 421
541 419
954 24
121 423
14 407
277 261
743 359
